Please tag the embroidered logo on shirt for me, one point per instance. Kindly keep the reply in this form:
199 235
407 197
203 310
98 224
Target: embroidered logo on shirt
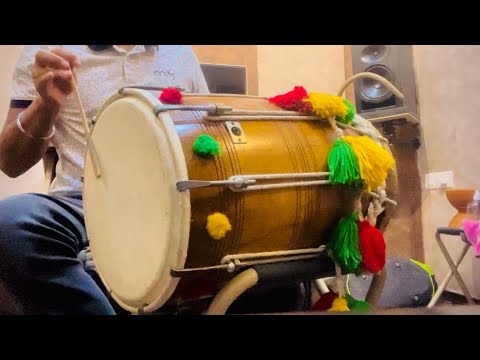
168 73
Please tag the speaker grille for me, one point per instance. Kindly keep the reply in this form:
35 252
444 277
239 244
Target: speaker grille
373 53
374 91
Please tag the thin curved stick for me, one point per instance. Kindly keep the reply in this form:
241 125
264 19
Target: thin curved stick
379 78
376 288
88 138
231 291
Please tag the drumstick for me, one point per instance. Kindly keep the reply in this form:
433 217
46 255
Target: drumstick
90 147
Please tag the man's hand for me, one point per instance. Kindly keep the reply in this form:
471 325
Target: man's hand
52 75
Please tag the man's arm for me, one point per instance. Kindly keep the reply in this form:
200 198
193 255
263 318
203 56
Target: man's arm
19 152
51 75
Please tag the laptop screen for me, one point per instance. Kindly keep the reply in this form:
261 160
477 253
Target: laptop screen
225 79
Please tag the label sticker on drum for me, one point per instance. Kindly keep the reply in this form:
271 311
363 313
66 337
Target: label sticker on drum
236 132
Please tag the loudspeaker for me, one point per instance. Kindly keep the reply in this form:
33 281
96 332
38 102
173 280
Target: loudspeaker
394 63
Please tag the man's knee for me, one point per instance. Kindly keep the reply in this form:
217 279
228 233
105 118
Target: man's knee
15 211
17 218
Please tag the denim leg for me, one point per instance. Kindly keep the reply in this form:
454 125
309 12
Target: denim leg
40 238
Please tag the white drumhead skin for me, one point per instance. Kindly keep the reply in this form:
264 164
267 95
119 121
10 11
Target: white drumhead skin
137 222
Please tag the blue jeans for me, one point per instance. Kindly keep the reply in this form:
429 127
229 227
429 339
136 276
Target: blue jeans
40 238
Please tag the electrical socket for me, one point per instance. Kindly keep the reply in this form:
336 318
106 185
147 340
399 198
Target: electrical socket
439 180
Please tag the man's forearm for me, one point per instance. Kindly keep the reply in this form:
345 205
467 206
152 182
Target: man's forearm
18 151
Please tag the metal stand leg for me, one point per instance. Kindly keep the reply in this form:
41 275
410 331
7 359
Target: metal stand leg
236 287
453 271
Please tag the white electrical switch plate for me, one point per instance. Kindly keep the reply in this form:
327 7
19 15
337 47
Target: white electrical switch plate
439 180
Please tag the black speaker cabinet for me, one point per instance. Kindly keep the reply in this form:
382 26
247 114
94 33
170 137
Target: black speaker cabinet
393 62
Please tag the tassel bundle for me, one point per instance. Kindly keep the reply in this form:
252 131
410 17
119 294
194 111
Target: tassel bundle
339 305
348 118
206 146
374 161
344 244
218 225
171 96
327 106
357 305
343 165
325 302
372 247
293 100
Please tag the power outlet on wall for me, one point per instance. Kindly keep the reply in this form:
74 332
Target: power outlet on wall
439 180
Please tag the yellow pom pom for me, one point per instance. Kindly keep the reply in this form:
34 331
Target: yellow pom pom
375 162
326 106
339 304
218 225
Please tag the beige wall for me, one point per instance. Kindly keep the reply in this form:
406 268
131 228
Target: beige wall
318 68
448 79
33 179
273 69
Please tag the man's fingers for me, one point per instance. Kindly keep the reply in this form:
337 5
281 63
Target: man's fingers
67 55
47 59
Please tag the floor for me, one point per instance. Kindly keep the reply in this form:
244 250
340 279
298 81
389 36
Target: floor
448 304
437 310
449 298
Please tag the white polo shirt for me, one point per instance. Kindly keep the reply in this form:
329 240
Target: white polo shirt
100 75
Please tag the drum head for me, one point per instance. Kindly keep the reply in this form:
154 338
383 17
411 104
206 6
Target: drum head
136 220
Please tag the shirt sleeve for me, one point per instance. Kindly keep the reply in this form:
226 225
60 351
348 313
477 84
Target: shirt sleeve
22 82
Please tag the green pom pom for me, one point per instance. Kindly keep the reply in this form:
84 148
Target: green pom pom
344 244
343 165
206 146
348 118
357 305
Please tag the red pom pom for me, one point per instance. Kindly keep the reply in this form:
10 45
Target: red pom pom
171 96
325 302
372 247
293 100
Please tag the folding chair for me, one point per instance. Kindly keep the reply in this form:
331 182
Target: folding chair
453 265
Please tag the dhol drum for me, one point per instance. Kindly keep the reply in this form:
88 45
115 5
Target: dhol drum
146 214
